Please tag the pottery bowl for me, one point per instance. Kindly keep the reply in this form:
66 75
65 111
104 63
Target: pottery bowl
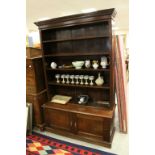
78 64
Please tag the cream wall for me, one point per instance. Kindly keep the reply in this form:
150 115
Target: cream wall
43 9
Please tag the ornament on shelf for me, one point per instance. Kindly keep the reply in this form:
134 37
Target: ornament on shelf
99 81
104 62
95 64
72 79
86 79
57 76
91 78
87 63
53 65
82 99
81 78
76 78
67 78
63 78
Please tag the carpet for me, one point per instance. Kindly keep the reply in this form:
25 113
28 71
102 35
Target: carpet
38 144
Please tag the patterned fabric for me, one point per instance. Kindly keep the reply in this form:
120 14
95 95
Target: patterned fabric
37 144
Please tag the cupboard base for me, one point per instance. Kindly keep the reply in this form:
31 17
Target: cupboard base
86 139
92 125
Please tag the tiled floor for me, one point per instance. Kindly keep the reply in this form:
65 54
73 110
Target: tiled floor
119 145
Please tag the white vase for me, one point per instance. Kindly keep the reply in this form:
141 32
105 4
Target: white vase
99 81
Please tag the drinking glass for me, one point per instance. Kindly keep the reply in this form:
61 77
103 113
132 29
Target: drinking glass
91 78
86 79
76 78
63 78
81 78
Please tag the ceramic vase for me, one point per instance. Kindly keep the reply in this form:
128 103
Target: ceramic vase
99 81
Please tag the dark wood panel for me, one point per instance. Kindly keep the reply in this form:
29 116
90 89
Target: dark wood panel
94 140
29 68
30 81
33 52
37 102
64 34
89 125
83 86
75 108
39 74
77 19
85 126
35 88
57 119
76 53
74 39
30 89
93 45
35 80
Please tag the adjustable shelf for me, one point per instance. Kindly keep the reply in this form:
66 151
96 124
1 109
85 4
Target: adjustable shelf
74 39
56 54
79 86
85 69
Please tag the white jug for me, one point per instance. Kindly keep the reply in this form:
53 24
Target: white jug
104 62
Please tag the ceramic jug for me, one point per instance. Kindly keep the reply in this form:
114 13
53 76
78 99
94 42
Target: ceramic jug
99 81
95 64
104 62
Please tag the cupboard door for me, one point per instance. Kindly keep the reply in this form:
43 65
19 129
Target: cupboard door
37 101
56 119
89 126
29 68
30 77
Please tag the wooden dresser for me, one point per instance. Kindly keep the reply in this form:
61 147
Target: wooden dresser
35 85
79 37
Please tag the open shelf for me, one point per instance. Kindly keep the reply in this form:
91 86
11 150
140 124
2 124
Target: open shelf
104 86
78 54
73 69
74 39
